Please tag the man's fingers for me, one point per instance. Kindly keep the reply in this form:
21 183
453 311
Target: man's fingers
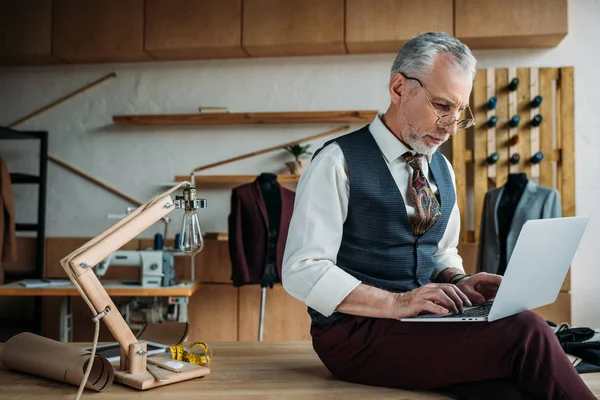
426 305
475 296
454 296
495 279
462 295
491 279
441 298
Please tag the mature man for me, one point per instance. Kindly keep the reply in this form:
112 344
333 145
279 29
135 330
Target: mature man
373 238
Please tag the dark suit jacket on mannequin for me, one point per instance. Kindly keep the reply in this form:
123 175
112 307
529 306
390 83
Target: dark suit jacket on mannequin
249 232
535 202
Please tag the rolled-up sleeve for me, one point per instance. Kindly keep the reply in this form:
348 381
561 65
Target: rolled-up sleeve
309 271
447 255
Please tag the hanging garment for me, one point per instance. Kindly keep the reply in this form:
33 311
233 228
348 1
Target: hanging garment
256 247
517 206
8 235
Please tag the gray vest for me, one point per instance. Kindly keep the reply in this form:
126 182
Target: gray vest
378 246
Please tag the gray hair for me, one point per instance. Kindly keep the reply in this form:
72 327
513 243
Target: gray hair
416 58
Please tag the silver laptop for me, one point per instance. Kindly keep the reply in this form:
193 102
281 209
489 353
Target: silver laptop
534 274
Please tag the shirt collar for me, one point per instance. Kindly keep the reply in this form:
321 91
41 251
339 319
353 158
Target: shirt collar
388 143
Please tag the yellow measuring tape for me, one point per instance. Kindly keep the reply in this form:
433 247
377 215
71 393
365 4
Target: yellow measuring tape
198 353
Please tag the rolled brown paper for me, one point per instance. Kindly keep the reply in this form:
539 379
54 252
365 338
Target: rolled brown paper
38 355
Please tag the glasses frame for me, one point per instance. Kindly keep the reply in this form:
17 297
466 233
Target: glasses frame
461 124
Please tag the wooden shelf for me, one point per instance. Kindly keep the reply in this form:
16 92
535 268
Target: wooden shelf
359 116
233 179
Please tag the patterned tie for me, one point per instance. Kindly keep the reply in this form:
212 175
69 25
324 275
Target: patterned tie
427 205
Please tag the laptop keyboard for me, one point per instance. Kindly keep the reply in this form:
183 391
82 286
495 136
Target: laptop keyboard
481 311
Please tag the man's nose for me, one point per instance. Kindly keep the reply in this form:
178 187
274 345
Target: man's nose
450 129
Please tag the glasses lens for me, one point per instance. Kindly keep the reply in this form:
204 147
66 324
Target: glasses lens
445 121
465 123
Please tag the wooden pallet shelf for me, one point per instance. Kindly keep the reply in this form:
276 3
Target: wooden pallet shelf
359 116
232 179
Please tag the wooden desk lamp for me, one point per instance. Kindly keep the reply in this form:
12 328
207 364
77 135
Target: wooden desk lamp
79 267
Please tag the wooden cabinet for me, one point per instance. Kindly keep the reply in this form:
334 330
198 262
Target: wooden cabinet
212 264
26 257
88 31
213 313
494 24
285 318
98 31
58 248
292 28
191 29
383 26
25 32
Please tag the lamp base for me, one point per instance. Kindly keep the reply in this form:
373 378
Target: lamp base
144 380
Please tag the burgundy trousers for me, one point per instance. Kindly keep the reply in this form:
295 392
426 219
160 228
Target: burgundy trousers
518 357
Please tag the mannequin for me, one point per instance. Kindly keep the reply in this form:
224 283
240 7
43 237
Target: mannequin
272 198
513 190
258 225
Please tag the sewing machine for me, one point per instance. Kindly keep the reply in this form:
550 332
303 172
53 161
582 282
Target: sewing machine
157 266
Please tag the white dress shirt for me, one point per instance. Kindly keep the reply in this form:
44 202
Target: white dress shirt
309 269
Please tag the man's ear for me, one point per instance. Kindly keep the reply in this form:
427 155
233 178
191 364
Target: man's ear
397 88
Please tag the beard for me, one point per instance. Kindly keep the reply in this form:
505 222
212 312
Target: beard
417 143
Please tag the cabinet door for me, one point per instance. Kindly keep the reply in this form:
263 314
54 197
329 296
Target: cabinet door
285 317
213 264
494 24
291 28
25 36
190 29
212 313
384 25
58 248
98 31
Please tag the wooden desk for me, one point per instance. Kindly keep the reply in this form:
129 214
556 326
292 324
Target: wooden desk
178 295
248 371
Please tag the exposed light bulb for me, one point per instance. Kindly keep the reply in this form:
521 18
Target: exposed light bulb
191 241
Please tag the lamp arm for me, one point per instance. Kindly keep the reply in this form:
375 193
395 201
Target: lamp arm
78 265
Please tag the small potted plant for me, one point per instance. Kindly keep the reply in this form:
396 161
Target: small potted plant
300 154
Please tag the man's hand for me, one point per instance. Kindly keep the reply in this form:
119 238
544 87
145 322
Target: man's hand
480 287
436 298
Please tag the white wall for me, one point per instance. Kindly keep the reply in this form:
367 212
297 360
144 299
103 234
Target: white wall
140 161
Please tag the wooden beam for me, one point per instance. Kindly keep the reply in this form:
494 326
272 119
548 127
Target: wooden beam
480 179
64 164
459 142
567 124
62 99
93 180
273 148
547 76
524 132
502 129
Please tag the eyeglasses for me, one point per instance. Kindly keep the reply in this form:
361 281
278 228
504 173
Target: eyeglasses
446 120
